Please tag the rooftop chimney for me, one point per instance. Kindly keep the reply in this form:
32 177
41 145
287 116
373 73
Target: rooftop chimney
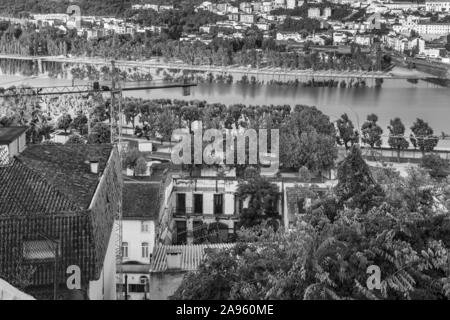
173 259
94 166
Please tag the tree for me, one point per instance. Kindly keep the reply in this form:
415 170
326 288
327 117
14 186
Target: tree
304 175
131 111
423 136
262 196
166 124
347 132
447 45
356 187
141 166
321 259
64 122
371 131
438 167
131 157
75 139
397 139
307 138
80 123
101 133
415 193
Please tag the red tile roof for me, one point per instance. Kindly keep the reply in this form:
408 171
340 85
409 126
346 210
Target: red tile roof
9 134
191 255
23 190
48 190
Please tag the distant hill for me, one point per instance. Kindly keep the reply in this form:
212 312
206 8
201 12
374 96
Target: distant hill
88 7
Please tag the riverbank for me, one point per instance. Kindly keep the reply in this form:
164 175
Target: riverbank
83 68
397 98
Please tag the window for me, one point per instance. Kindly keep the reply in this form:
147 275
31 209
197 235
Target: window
144 249
40 250
198 203
181 232
144 226
181 203
218 204
125 249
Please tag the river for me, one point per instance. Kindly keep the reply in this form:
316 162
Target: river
396 98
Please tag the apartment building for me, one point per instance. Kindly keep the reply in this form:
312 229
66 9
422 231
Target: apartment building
314 13
247 18
291 4
57 209
404 6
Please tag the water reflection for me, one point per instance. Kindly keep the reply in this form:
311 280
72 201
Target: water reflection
396 98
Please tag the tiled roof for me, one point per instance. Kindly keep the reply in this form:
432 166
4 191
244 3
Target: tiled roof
23 191
141 200
9 134
191 255
66 167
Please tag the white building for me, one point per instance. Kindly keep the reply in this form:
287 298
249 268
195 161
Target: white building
285 36
247 18
291 4
8 292
171 263
339 38
279 4
404 6
363 39
51 17
266 6
314 13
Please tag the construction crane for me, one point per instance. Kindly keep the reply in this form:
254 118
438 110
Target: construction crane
116 117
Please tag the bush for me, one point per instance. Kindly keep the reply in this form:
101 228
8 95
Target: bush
304 175
76 139
101 133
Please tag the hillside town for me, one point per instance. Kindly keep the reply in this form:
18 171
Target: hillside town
411 28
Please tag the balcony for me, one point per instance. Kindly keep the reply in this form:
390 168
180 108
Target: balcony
185 212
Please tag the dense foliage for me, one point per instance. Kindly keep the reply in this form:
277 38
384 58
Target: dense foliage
319 258
253 49
263 200
88 7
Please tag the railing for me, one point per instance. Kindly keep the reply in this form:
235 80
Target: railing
184 212
188 212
